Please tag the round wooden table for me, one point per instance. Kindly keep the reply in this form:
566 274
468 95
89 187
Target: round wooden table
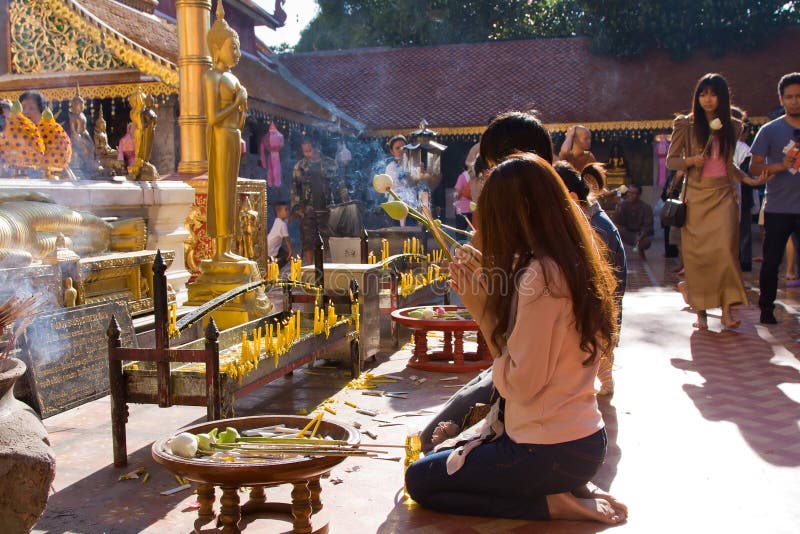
302 472
452 358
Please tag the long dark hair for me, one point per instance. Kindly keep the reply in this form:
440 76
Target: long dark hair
525 209
727 136
515 131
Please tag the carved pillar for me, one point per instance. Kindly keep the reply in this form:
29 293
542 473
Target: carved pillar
193 18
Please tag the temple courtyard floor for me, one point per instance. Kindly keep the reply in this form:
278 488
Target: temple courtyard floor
704 434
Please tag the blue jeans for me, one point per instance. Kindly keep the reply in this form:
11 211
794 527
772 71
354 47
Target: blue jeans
506 479
479 389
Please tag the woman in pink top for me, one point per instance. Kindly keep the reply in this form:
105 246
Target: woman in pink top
710 237
543 296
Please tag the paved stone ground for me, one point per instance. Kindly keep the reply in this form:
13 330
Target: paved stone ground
704 435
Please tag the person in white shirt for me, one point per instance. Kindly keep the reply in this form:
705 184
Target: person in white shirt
747 195
279 235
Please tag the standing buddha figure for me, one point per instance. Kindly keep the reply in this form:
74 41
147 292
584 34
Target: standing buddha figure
226 107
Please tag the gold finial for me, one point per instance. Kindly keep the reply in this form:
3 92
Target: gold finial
220 10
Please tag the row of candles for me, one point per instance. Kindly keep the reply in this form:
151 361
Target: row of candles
409 281
295 269
410 246
276 339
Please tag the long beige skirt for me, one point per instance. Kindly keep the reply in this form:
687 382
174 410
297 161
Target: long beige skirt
710 244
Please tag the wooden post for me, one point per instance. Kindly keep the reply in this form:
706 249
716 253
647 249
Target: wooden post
364 246
119 407
319 262
213 386
355 351
161 325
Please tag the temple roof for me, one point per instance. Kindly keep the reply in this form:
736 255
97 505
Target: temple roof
112 44
271 89
149 31
459 87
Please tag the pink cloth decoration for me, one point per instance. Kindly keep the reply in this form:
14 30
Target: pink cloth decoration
272 143
126 150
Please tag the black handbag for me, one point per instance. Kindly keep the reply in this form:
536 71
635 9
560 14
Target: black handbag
674 211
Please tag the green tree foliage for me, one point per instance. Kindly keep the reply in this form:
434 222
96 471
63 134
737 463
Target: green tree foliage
622 28
628 29
361 23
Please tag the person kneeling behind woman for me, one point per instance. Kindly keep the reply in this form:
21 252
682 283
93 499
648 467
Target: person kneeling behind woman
543 297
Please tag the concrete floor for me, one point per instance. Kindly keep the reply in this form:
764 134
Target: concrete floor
704 435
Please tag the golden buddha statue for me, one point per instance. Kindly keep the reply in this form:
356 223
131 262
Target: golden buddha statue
248 224
105 155
144 117
32 227
226 107
83 162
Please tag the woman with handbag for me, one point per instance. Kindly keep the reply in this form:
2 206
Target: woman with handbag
543 296
703 145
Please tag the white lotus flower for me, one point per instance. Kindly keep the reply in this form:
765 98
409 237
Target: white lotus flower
382 183
715 124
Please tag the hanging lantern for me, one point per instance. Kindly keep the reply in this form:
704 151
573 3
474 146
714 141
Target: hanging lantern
425 156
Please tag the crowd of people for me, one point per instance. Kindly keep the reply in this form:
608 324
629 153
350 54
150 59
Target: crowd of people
544 277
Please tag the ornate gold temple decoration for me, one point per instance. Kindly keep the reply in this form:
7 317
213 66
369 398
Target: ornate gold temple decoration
60 35
120 90
40 41
199 245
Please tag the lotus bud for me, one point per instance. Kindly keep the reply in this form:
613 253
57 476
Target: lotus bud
396 209
16 107
382 183
230 435
47 115
715 124
204 442
184 445
473 206
622 189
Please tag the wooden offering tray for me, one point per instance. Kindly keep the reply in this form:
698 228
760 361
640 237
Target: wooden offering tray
303 472
452 358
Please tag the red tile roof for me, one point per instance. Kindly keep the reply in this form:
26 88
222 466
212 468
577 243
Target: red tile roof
465 84
148 31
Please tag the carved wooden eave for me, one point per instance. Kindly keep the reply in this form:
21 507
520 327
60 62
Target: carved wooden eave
94 84
260 16
64 36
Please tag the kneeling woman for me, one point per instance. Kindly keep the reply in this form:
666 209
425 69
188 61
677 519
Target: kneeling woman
543 297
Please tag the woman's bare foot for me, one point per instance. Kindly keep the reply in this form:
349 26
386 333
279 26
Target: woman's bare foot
590 491
702 321
684 291
444 431
567 506
728 321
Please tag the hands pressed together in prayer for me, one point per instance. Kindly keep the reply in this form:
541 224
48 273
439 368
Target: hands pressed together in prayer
470 282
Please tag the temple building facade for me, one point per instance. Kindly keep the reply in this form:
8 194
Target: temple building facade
108 49
628 104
